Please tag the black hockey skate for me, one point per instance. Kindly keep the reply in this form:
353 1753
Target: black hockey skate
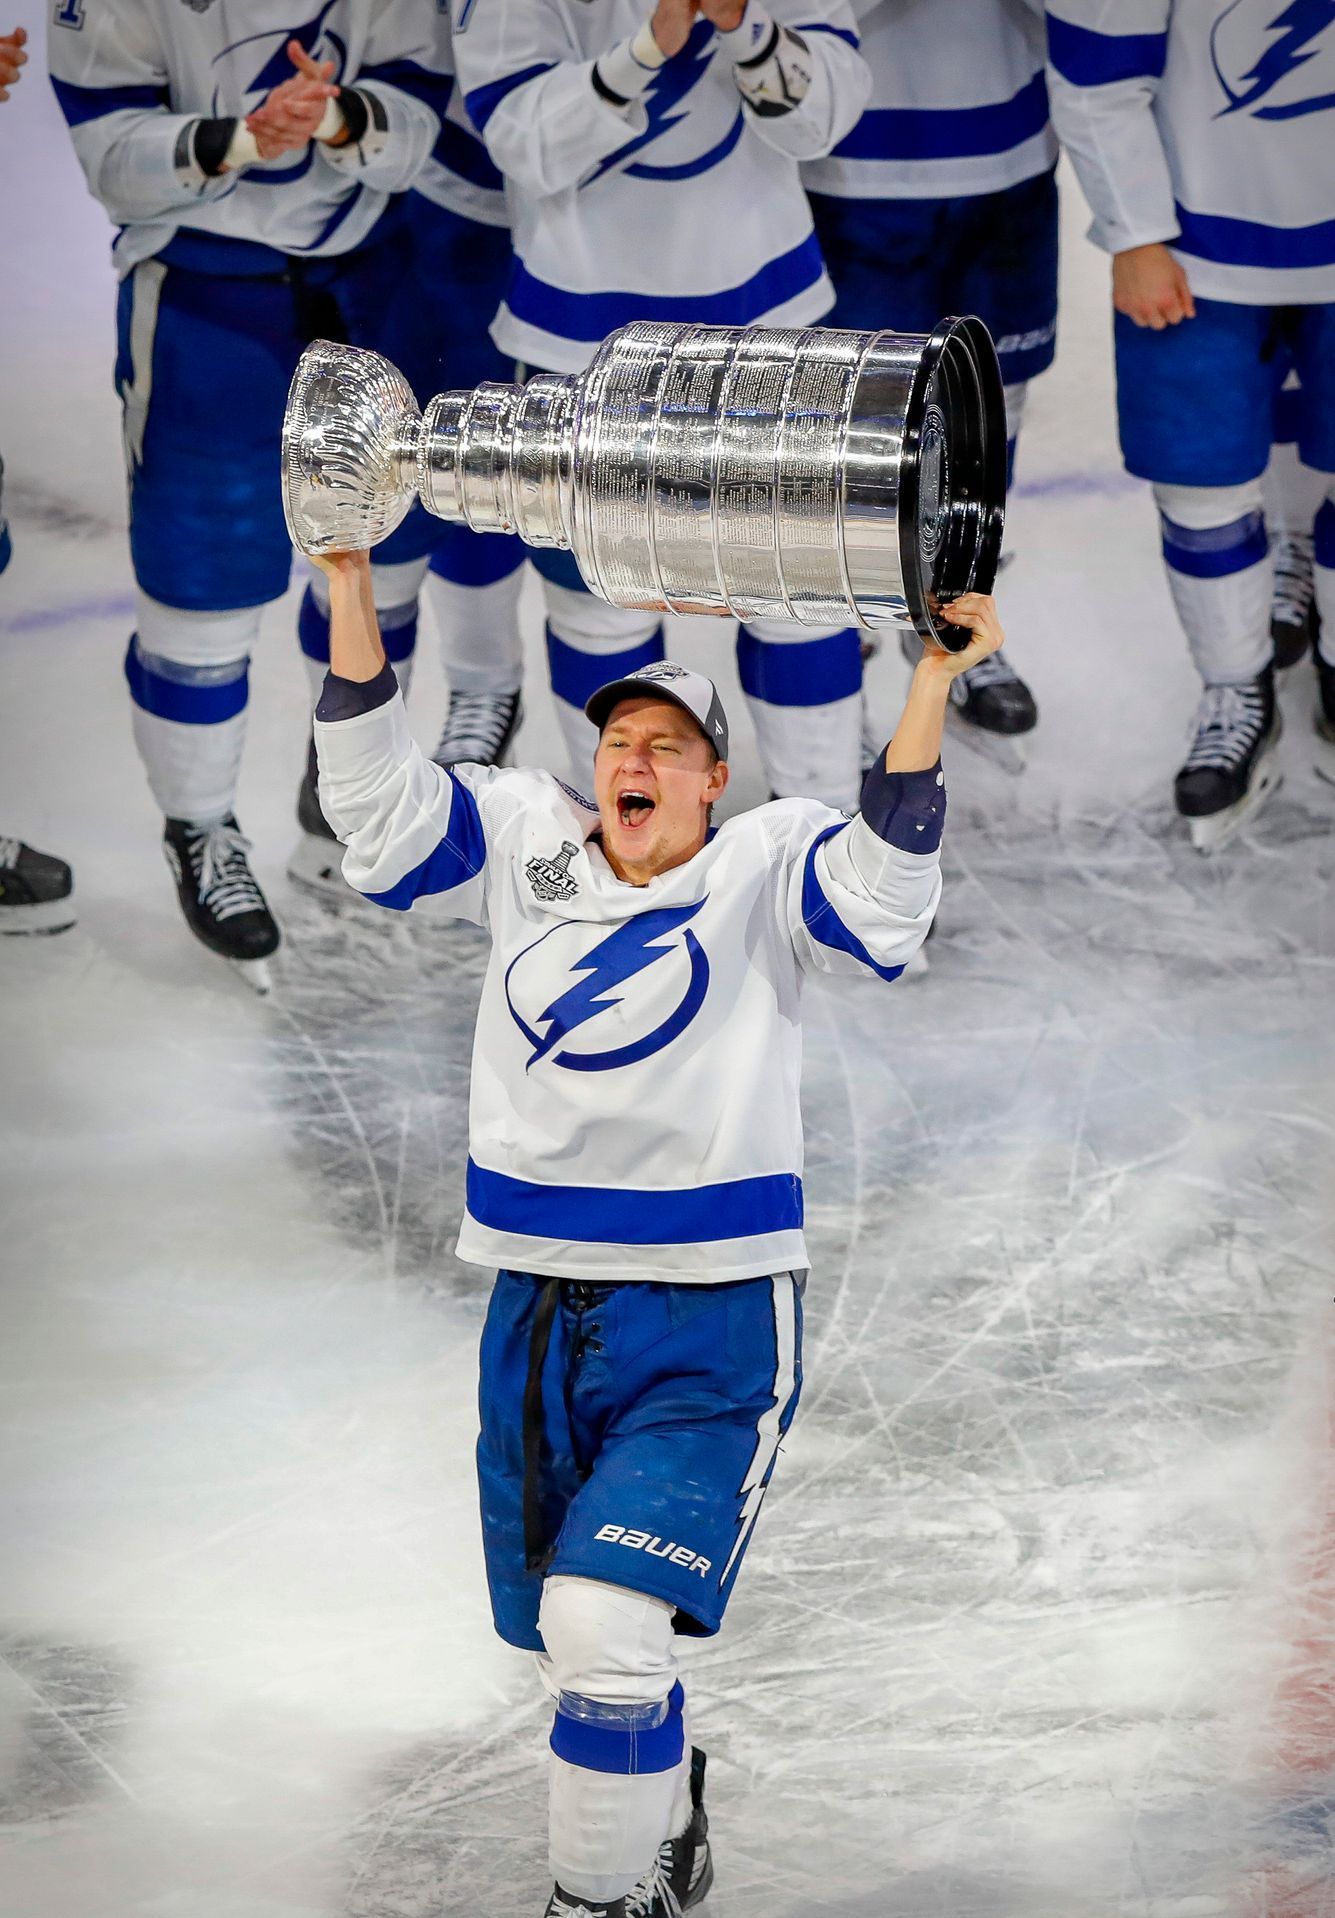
1325 719
1231 767
317 861
36 890
220 896
1294 622
480 729
686 1862
563 1905
990 707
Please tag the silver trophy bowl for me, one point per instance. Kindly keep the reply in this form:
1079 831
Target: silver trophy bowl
821 476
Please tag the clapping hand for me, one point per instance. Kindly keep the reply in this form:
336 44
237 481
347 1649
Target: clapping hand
291 113
12 58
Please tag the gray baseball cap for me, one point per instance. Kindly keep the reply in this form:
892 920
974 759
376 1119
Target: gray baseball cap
664 679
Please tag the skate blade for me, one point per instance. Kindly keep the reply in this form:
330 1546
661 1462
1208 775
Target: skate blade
1212 834
255 973
37 922
1324 762
1004 750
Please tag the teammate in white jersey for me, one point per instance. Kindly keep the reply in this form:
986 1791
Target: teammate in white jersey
1203 134
653 173
942 200
250 159
635 1170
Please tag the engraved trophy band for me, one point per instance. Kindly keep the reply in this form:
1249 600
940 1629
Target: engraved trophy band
822 476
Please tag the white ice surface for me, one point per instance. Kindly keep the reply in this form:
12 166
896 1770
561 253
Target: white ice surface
1040 1620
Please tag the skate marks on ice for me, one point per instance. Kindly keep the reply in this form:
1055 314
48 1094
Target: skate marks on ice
1009 1633
63 1711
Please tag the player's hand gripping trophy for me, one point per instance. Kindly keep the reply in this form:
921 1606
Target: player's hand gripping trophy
819 476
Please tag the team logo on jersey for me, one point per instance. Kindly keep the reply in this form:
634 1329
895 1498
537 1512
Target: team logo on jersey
270 49
1275 62
550 878
641 986
666 105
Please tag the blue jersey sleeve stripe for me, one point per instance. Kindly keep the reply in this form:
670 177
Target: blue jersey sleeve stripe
482 102
620 1215
79 104
800 672
823 26
823 922
459 857
1231 242
592 316
948 133
1090 59
463 153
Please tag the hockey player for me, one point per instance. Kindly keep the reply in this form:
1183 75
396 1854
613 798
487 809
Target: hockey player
248 162
653 171
1293 498
635 1170
1202 133
942 199
36 888
454 281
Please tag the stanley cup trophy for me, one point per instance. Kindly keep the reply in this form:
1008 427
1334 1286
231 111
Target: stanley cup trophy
827 477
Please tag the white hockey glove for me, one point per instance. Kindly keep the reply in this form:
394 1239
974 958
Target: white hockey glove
772 64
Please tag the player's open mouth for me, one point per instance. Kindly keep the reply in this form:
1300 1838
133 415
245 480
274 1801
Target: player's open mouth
634 809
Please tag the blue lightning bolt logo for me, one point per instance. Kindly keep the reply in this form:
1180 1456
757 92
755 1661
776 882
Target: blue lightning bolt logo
1298 25
633 947
674 81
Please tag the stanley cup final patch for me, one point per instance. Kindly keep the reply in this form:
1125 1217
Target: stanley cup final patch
550 878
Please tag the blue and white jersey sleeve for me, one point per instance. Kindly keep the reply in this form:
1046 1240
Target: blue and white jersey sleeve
411 829
862 892
405 81
838 78
529 92
1106 65
111 81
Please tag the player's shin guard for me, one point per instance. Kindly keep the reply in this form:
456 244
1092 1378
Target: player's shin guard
1221 573
804 690
188 679
618 1737
473 589
588 644
395 590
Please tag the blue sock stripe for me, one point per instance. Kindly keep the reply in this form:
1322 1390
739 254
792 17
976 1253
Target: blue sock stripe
577 675
192 695
398 631
313 629
1324 534
800 672
467 558
1213 552
627 1753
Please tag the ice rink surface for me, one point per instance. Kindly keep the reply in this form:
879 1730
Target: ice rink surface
1040 1622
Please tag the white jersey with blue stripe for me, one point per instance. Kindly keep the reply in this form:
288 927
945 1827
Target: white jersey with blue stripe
634 1109
133 77
958 103
687 205
1208 124
461 174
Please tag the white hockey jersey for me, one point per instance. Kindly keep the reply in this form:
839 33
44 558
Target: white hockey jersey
460 173
634 1110
1209 124
133 77
959 104
685 205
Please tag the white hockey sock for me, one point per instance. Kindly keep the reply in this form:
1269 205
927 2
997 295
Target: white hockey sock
1293 492
804 690
589 643
395 590
188 679
1015 398
1324 571
477 619
1221 575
